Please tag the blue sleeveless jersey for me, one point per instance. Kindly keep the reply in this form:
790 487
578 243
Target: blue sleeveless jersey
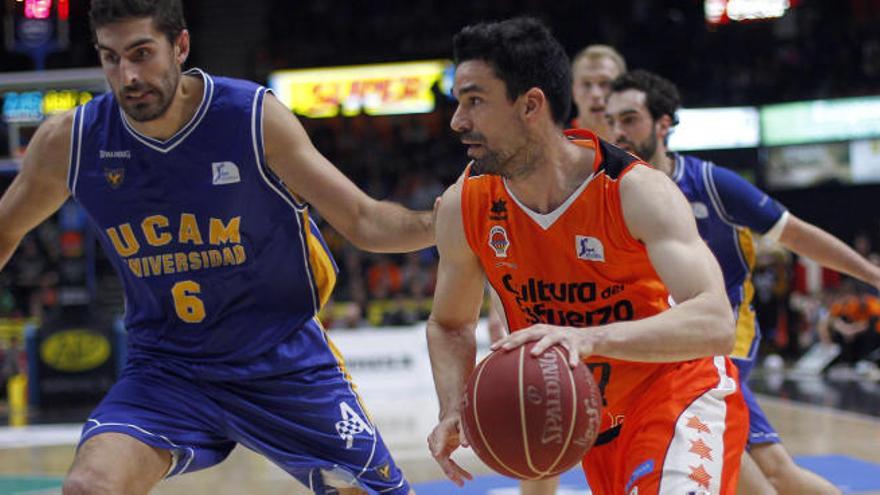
218 260
728 209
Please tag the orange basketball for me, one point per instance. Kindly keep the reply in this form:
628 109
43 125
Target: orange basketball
531 417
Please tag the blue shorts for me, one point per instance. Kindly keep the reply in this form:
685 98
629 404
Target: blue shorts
308 421
760 429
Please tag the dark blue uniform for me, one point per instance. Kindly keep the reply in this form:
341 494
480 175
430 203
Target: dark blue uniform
224 273
728 209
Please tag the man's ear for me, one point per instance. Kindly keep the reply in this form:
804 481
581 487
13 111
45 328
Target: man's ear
663 126
534 101
181 47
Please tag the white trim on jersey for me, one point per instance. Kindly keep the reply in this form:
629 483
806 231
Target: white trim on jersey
696 453
186 130
718 205
678 170
546 220
775 231
257 129
75 142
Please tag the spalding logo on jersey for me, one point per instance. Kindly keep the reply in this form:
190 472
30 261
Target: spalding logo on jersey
498 241
589 248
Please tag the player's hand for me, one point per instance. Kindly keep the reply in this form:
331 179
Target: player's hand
577 341
442 442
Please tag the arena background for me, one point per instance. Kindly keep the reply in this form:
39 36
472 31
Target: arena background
817 65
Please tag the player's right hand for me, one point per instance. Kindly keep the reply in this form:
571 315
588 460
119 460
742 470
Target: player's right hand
442 442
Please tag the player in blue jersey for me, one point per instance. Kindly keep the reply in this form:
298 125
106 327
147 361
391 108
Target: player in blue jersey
641 111
199 187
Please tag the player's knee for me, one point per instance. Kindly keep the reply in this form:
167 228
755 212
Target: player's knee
90 482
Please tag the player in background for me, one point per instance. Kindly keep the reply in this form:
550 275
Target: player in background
592 70
729 211
199 188
542 208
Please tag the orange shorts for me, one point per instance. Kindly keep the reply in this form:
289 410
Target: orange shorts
686 435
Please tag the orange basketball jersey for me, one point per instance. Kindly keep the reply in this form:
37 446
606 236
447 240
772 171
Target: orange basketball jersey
576 266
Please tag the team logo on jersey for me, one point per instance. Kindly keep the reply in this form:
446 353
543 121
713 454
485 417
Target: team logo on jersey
350 425
224 173
384 471
499 210
498 241
589 248
114 176
700 209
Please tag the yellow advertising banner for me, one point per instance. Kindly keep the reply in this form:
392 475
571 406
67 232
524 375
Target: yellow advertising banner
381 89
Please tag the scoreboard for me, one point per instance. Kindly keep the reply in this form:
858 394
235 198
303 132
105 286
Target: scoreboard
27 98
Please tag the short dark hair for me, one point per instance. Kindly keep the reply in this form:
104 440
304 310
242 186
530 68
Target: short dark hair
167 15
524 54
661 95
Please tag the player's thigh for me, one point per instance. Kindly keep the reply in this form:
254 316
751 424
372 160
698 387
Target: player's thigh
116 463
539 487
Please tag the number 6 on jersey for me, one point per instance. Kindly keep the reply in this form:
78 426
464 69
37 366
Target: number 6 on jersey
188 306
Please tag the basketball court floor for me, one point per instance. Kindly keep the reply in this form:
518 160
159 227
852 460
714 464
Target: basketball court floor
831 425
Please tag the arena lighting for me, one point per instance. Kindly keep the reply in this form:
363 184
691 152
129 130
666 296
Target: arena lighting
716 128
802 122
725 11
379 89
37 9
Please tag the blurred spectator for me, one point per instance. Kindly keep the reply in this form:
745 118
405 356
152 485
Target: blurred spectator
384 278
13 360
853 321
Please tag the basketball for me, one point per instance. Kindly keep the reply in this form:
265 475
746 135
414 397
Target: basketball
530 417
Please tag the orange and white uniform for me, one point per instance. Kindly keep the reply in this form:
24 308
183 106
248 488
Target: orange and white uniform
666 427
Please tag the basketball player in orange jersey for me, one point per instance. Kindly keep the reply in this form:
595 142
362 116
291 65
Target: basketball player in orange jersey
592 70
729 210
539 212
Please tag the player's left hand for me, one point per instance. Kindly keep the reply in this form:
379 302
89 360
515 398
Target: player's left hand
577 341
442 442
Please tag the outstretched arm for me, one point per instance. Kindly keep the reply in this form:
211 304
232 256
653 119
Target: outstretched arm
369 224
809 240
40 188
451 327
